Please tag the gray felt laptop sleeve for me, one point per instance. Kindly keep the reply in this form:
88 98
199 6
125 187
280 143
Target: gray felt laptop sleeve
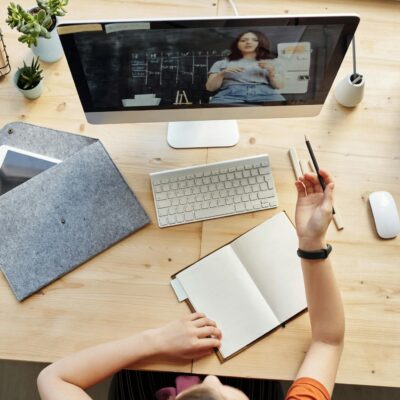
66 215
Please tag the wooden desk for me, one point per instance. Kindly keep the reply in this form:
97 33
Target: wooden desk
126 289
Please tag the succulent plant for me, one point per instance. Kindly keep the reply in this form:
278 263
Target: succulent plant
37 22
30 75
53 7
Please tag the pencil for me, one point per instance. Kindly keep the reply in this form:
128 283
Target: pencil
315 163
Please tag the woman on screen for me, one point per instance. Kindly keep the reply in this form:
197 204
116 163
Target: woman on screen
250 74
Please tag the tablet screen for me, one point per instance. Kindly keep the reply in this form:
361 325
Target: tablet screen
18 168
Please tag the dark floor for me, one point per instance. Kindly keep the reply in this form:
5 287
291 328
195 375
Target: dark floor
18 382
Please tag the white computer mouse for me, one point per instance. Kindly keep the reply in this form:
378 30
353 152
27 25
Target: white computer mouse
386 216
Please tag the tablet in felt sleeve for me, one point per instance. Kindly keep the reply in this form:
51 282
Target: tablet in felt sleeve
64 216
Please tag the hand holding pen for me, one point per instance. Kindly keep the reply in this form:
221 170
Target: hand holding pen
321 180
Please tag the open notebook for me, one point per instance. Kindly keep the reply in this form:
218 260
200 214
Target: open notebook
250 286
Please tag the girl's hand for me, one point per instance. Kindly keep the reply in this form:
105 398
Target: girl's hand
313 210
268 66
191 337
232 70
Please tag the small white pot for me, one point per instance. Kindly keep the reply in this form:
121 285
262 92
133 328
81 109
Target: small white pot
49 50
30 94
349 94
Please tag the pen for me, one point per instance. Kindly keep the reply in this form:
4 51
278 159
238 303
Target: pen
315 163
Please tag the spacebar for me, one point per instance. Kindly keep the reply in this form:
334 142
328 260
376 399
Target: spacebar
215 211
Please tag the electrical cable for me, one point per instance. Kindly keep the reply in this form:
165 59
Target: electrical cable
233 5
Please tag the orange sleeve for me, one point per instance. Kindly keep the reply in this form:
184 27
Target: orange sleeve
307 389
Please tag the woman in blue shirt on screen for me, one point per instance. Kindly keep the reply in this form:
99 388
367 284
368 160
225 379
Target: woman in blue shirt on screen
250 74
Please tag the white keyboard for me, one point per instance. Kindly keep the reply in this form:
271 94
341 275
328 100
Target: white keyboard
214 190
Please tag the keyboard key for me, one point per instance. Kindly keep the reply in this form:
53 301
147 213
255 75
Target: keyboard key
247 189
239 190
239 207
214 212
163 221
262 195
253 196
164 203
256 204
163 212
197 206
161 196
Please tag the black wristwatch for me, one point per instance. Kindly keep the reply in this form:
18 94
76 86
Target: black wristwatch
315 254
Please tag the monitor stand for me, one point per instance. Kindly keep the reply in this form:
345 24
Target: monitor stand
192 134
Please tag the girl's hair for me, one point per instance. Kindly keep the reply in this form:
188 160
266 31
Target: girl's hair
201 393
263 50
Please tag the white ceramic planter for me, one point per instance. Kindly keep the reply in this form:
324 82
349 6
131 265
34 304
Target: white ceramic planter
30 94
49 50
349 94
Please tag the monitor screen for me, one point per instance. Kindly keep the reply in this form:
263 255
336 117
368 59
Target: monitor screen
202 69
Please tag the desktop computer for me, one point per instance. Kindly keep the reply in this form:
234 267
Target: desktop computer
184 71
200 75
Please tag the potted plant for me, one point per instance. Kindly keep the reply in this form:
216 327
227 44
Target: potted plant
28 79
37 26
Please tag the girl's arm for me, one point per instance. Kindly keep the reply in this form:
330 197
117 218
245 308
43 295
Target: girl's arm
313 215
214 81
190 337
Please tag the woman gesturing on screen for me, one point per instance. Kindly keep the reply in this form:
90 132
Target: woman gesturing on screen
248 75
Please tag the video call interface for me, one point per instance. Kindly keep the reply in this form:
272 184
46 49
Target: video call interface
129 65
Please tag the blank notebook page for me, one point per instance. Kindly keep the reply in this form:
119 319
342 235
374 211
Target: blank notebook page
219 286
269 252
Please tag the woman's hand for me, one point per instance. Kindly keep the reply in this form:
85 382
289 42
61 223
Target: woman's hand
269 66
232 70
313 210
191 337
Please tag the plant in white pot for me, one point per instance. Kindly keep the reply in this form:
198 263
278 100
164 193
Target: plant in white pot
29 79
37 26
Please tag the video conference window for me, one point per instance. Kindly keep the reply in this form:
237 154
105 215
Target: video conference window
127 68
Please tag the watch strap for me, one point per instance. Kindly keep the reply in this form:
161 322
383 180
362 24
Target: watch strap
320 254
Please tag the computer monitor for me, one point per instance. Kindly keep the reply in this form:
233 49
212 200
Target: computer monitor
203 74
